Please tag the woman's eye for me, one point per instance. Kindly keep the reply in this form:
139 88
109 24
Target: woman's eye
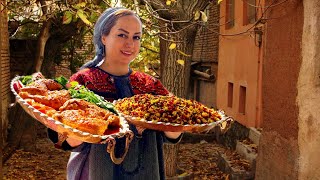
122 35
136 37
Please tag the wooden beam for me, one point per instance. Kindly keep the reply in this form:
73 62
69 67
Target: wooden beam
203 74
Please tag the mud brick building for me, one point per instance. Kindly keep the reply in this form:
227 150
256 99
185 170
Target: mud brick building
5 76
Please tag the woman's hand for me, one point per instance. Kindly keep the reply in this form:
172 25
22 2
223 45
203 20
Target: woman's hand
74 142
172 135
140 129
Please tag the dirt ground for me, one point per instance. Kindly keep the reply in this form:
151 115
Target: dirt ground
50 163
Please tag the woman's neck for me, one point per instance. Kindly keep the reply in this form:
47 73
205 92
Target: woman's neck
114 69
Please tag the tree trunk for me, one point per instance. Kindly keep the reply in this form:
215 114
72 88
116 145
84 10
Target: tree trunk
175 78
22 133
170 159
42 41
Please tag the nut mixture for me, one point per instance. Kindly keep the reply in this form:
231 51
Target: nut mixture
170 109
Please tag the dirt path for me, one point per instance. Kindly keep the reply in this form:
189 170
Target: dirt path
50 163
47 163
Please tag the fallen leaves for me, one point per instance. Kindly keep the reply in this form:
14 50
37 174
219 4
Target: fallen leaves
46 163
200 159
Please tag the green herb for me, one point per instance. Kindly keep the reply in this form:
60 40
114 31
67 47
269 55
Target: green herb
62 80
81 92
26 80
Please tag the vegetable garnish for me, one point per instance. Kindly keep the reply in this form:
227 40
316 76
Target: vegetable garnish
26 80
81 92
62 80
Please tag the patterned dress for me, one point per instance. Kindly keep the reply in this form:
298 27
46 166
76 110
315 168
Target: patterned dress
144 159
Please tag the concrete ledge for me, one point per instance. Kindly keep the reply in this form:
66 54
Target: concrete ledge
254 135
225 165
247 151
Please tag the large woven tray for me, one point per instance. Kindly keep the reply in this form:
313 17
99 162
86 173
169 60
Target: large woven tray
223 124
67 130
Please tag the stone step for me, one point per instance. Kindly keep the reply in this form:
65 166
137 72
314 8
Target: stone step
235 167
248 150
254 135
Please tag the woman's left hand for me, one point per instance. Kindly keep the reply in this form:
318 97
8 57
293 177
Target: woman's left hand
172 135
140 129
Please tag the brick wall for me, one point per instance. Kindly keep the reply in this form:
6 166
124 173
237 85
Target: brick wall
4 76
22 56
207 39
87 51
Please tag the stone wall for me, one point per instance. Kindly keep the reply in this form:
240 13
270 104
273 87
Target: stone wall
308 98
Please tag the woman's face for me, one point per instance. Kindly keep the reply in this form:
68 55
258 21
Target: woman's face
123 42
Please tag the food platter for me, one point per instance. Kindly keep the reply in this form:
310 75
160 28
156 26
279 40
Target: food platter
171 113
221 120
224 124
67 130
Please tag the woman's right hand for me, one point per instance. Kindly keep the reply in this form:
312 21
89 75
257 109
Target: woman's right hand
73 142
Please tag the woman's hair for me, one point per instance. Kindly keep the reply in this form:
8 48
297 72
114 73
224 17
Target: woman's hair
102 27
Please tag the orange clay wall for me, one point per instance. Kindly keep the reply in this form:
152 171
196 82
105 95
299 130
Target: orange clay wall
239 69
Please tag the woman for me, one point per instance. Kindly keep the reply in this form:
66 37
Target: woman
117 37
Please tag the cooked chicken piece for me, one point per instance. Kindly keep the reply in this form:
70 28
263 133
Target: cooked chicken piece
31 90
41 87
74 104
37 75
87 117
92 110
42 108
78 120
48 84
54 99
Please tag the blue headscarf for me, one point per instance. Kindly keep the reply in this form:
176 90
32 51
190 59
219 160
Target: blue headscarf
99 29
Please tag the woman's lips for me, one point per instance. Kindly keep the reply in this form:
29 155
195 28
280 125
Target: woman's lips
127 53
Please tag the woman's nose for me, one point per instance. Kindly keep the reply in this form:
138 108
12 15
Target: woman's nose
129 43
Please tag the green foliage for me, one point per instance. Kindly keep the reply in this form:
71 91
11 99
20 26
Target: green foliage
150 45
72 54
149 55
83 16
67 17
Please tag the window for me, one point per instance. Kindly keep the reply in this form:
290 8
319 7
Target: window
230 94
249 11
229 14
242 100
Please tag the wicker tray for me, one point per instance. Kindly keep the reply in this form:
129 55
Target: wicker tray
67 130
224 124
